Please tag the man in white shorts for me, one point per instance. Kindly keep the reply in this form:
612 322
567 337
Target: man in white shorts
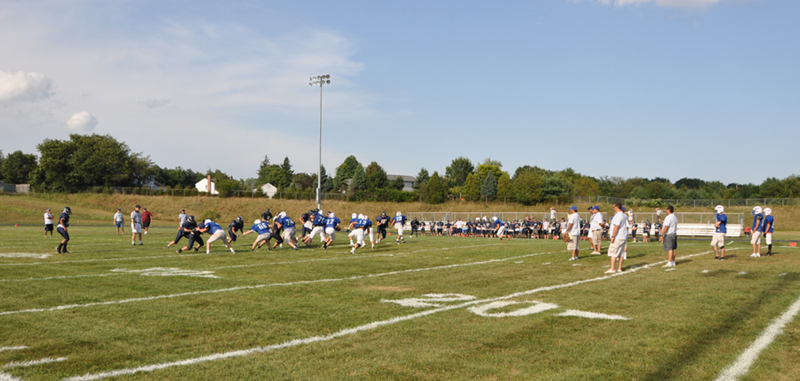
331 226
574 231
359 233
217 233
720 228
618 232
500 226
289 230
758 229
317 220
264 234
136 225
769 227
669 236
399 222
596 230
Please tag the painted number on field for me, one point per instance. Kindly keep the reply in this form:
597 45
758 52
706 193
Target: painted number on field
522 308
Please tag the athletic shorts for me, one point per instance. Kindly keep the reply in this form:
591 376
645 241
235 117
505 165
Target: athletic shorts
289 233
232 234
146 224
501 231
331 232
718 239
574 243
633 233
597 236
220 234
768 238
63 233
263 237
756 238
670 242
118 224
48 227
617 248
317 230
359 234
399 228
136 228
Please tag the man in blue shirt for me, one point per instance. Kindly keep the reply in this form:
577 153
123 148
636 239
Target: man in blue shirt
264 234
63 225
332 225
769 227
399 222
758 230
359 227
288 226
216 232
317 226
720 228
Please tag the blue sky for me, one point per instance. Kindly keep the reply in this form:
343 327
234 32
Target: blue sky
667 88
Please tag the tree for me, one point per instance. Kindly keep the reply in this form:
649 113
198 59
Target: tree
2 158
89 160
265 162
345 172
274 175
288 173
422 178
359 181
458 170
504 187
527 187
304 181
472 188
17 167
484 169
489 187
397 183
434 191
376 177
554 186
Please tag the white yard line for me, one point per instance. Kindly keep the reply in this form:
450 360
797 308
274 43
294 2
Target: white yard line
8 377
239 288
23 364
349 331
13 348
742 365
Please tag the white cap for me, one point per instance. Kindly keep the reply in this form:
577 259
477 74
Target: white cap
757 210
768 211
720 209
256 222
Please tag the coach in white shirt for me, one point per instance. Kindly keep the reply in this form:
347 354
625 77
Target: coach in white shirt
669 235
619 237
574 231
596 230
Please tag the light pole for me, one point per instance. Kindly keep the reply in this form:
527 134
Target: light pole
320 80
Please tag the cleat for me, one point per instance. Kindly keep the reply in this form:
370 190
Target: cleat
64 251
140 243
179 250
609 271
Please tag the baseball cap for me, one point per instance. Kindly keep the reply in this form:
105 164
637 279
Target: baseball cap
137 205
595 208
145 208
573 207
623 208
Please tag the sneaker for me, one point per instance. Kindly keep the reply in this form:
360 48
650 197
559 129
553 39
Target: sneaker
754 255
721 258
145 233
133 244
669 264
234 251
716 257
58 249
373 245
140 242
179 250
295 248
610 271
572 259
196 248
64 251
353 250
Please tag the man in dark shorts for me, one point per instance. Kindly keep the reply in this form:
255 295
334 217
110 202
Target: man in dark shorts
670 236
147 217
382 222
236 224
63 225
189 230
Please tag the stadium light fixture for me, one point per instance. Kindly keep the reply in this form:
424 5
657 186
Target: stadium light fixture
320 80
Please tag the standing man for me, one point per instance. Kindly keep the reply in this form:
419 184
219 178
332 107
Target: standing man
769 225
146 218
596 230
136 225
720 228
758 229
619 237
266 216
216 232
658 214
552 213
399 222
182 217
48 223
669 236
118 217
63 224
573 231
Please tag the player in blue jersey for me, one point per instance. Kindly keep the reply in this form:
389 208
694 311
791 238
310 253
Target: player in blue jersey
216 233
264 234
332 225
368 231
758 230
358 228
351 227
769 227
317 219
63 229
399 222
720 228
288 226
236 225
499 227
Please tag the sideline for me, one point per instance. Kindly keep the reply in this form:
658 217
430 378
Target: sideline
351 331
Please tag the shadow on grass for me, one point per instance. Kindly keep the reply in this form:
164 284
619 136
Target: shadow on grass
703 342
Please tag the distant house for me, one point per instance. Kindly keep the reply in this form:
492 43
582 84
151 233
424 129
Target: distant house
269 189
408 181
154 185
202 186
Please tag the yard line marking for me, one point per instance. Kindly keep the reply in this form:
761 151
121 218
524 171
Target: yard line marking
13 348
8 377
742 365
592 315
23 364
25 255
239 288
347 331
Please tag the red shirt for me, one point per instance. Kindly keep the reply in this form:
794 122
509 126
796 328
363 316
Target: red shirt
146 216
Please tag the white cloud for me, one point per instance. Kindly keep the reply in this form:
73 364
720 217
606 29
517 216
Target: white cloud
82 122
662 3
155 103
24 86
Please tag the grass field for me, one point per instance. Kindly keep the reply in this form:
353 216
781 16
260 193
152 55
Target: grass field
113 310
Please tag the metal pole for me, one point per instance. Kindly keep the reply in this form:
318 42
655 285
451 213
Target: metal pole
319 169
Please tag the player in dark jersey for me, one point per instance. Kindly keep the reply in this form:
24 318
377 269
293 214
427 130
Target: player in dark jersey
189 230
63 225
237 224
383 222
266 216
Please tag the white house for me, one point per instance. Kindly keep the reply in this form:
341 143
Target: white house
154 185
202 186
269 189
408 181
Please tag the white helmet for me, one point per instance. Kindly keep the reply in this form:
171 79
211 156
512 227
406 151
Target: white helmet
365 217
333 215
719 209
494 218
256 222
207 221
321 213
757 210
399 214
354 215
282 214
767 211
360 216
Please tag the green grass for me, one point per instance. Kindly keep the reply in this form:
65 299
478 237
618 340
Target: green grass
684 324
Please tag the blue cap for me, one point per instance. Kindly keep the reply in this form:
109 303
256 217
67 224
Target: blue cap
623 208
595 208
573 207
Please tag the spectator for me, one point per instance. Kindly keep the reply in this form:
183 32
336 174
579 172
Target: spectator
720 228
619 236
118 217
670 235
146 218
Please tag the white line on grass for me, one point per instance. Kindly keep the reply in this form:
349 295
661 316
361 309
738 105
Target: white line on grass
23 364
13 348
239 288
8 377
742 365
348 331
